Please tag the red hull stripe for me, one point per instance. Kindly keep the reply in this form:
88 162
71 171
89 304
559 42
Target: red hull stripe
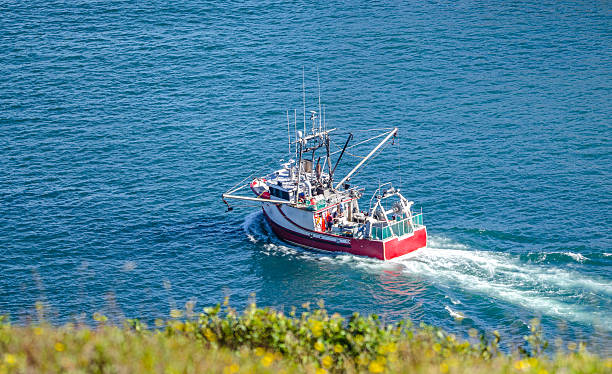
323 241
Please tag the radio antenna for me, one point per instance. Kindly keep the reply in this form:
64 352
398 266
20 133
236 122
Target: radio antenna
319 85
289 132
324 123
304 99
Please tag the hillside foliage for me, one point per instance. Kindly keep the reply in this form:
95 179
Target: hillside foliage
221 340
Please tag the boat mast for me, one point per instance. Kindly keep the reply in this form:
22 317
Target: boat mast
299 166
329 171
391 133
313 117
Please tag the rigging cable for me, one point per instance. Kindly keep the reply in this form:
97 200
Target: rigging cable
360 143
348 153
236 186
399 163
370 160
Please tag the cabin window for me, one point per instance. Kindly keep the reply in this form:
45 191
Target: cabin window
279 193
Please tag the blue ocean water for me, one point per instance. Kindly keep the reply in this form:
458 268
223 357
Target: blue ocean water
121 123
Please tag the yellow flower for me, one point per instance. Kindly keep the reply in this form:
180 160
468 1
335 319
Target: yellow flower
10 359
444 368
99 317
338 348
267 359
543 371
437 347
59 347
375 367
319 346
327 361
320 371
317 328
38 330
392 347
232 369
210 335
259 351
359 339
521 365
178 325
175 313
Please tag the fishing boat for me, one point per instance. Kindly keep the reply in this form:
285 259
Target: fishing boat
305 206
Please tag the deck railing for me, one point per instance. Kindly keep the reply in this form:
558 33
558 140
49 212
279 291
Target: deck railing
397 228
417 219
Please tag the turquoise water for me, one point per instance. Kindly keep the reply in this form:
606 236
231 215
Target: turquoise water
122 124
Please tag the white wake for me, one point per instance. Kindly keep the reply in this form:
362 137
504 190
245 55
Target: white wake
544 289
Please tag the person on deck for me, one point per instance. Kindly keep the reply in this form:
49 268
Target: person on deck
328 220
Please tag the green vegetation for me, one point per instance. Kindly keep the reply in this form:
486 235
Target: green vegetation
265 340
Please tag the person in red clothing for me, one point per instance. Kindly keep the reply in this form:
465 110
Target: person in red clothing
328 221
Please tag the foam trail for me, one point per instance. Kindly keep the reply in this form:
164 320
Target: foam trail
453 313
545 289
541 288
249 226
453 300
576 256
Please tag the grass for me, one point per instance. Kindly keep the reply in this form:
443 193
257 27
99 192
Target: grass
267 341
